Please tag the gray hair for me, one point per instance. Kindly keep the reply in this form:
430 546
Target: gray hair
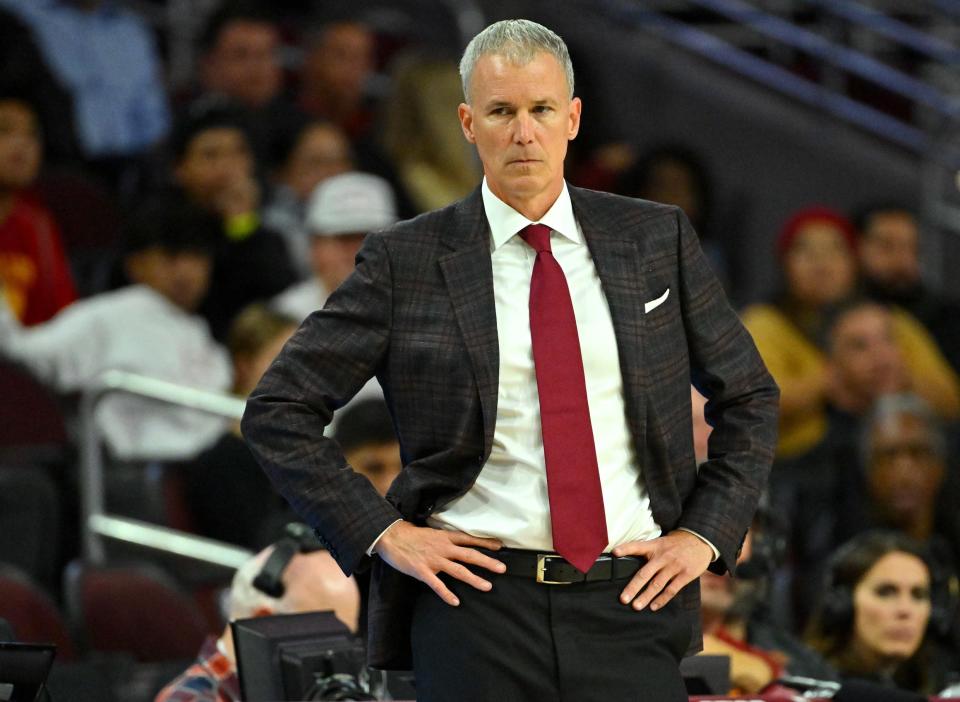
903 404
519 41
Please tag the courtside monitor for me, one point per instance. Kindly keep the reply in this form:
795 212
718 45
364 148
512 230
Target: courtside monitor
23 670
310 656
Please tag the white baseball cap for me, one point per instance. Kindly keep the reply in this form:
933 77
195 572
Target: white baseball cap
350 203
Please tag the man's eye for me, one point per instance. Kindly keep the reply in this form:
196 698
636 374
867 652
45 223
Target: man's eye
542 109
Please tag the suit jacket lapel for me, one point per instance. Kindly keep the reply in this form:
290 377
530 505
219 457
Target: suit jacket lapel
468 273
618 257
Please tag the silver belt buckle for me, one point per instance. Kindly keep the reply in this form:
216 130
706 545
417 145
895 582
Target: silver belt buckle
542 570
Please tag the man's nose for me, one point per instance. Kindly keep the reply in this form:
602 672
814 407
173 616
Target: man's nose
524 127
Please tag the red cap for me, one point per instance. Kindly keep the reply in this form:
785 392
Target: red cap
809 215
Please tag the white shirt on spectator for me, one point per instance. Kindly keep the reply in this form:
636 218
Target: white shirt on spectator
133 329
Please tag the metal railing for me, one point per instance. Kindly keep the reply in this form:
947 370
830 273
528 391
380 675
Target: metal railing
96 524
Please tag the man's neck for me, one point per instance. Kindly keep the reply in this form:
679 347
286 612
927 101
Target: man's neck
533 207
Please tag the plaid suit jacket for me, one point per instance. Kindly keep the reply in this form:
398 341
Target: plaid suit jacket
418 312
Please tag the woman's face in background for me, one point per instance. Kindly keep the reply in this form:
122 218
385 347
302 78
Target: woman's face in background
892 608
819 266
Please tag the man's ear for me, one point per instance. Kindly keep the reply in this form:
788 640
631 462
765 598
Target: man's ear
574 116
466 122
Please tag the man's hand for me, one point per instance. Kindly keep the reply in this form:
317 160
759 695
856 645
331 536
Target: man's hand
422 552
673 561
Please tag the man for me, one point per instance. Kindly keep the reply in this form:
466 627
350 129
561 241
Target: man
339 61
214 168
889 255
437 309
149 327
33 268
311 582
340 212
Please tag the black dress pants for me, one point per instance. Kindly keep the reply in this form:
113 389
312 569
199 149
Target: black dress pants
529 642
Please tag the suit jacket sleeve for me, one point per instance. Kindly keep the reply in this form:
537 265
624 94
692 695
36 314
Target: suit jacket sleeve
741 407
324 364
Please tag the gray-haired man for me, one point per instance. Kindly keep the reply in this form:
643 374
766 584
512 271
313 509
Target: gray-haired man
536 343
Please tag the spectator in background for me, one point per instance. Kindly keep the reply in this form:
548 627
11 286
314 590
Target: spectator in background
24 67
875 612
339 62
148 327
675 175
889 255
240 63
214 167
33 268
432 159
816 250
229 497
341 211
369 442
335 85
908 486
312 582
106 57
304 156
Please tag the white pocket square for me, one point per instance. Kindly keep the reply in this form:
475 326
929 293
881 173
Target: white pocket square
654 304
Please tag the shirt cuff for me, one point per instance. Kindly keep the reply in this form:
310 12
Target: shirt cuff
376 540
716 553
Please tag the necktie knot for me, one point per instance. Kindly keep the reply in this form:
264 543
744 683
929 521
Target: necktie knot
537 236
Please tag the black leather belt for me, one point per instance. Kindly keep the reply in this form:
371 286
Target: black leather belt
551 569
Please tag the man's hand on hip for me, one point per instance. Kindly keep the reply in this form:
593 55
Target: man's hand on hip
422 552
673 561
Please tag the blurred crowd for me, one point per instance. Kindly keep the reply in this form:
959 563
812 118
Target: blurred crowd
184 236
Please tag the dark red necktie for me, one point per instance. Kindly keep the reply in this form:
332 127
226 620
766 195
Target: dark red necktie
573 478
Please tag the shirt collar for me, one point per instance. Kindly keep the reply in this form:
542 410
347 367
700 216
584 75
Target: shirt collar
505 221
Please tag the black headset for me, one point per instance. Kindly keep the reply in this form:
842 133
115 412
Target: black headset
298 538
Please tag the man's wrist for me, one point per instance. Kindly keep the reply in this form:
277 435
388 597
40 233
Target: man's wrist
373 546
713 549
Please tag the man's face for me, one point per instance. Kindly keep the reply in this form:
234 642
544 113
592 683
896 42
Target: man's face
215 158
864 353
20 149
333 257
244 64
180 276
890 251
905 471
379 462
341 63
521 118
322 151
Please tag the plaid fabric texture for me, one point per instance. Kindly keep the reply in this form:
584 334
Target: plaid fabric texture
210 679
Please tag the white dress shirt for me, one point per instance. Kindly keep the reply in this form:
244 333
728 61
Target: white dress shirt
509 499
133 329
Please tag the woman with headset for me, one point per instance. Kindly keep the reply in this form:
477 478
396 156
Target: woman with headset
876 612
